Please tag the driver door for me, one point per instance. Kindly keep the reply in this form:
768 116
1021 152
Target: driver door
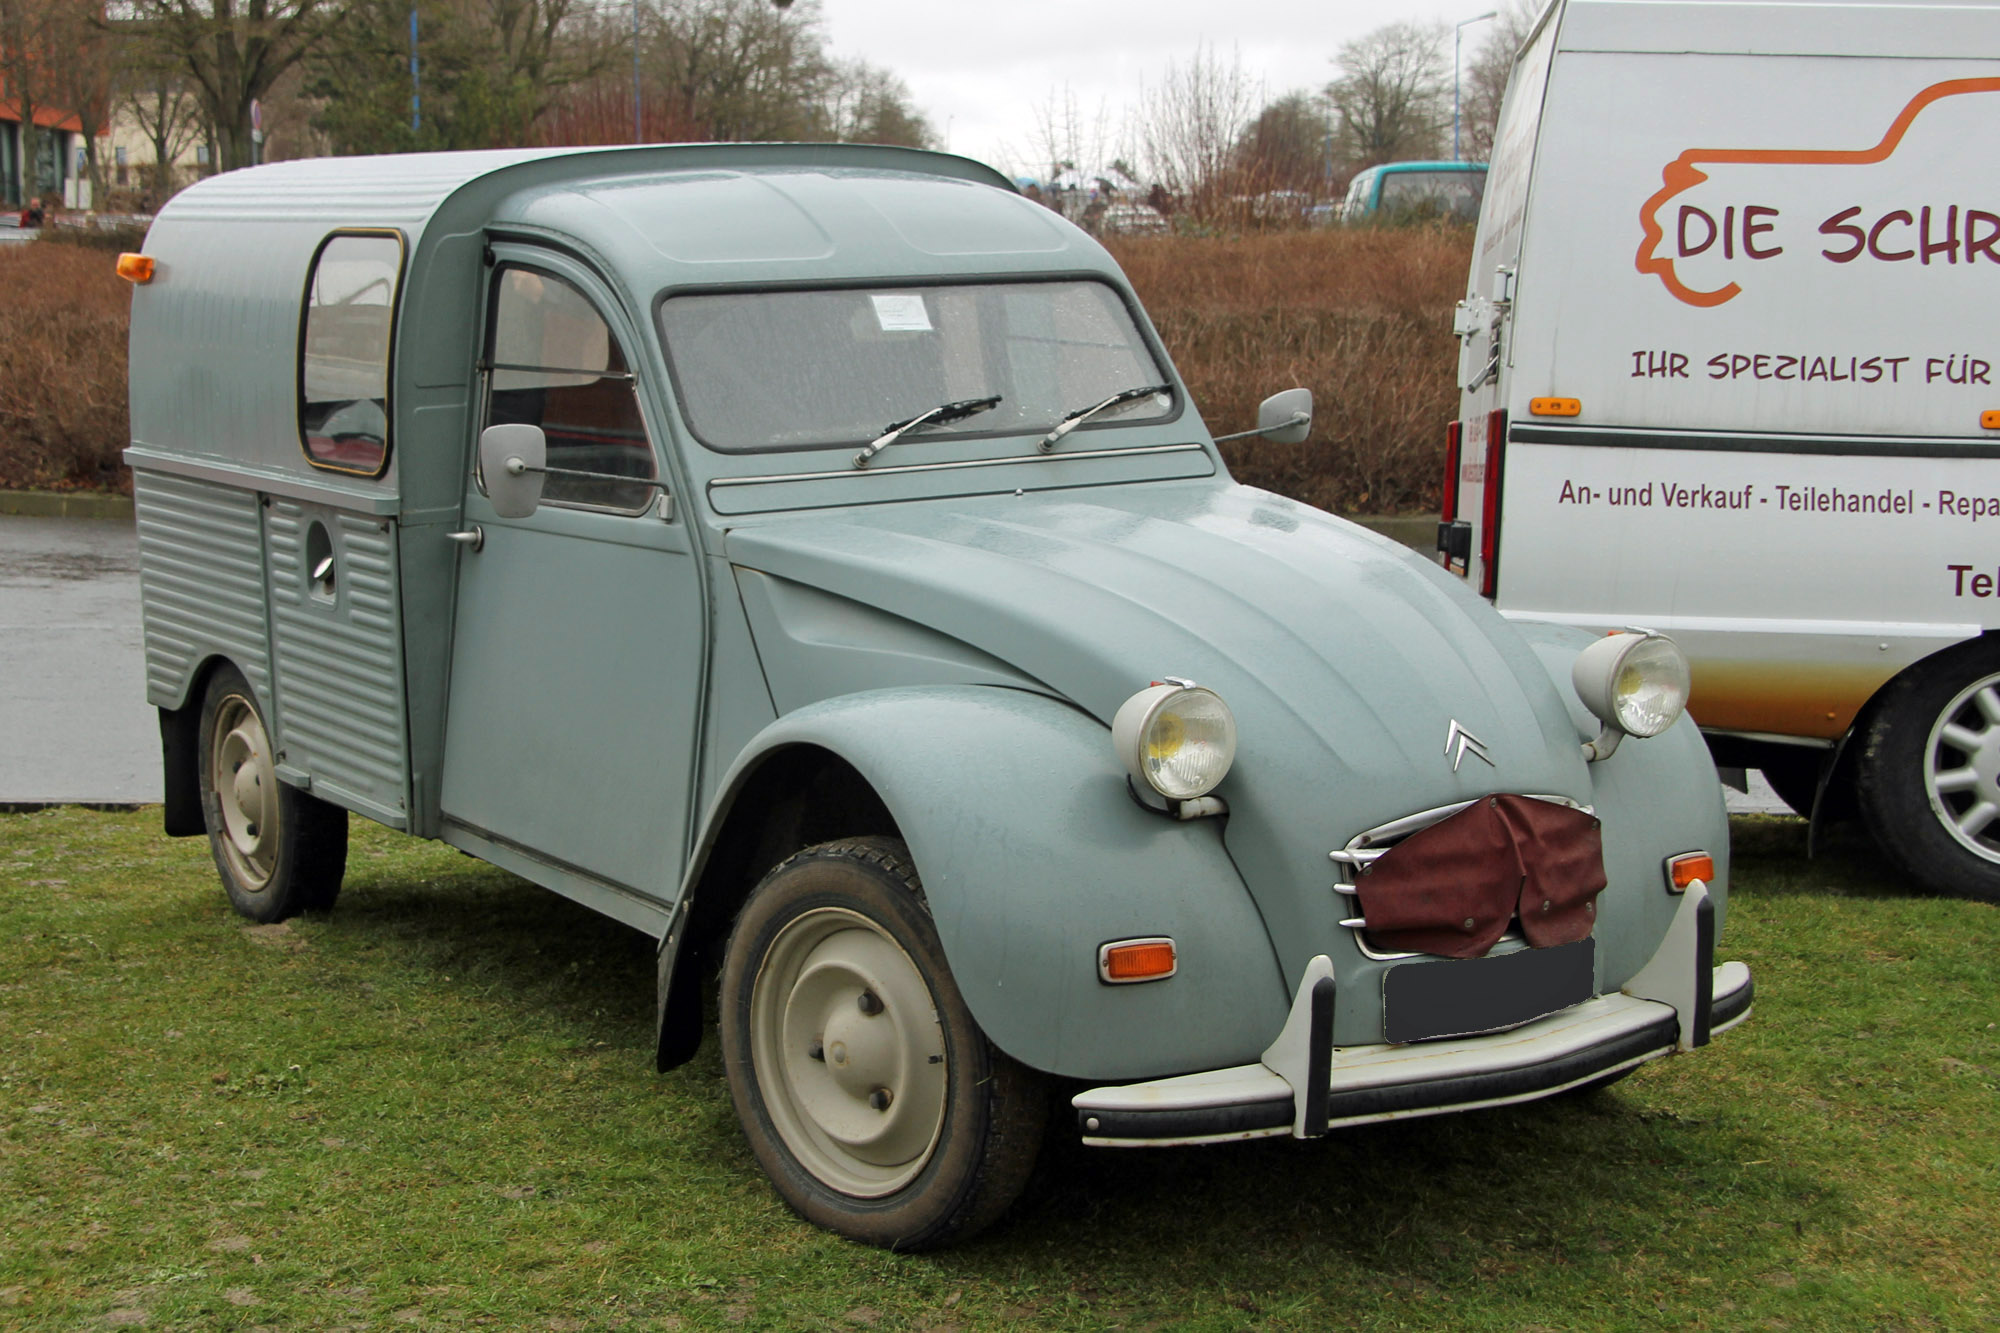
578 634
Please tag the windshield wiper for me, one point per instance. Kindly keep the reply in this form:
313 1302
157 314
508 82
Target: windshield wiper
1083 414
941 415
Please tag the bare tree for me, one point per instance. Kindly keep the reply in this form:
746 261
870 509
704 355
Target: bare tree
168 113
1484 79
1189 123
740 69
232 51
864 104
1287 147
1392 97
82 73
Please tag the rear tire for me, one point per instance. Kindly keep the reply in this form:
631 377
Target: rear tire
1929 772
868 1093
279 851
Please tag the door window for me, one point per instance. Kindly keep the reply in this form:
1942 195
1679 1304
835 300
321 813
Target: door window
552 362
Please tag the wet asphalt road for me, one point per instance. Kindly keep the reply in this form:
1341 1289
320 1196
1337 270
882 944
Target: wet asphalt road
74 722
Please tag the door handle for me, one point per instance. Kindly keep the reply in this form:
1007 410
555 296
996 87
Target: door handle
472 539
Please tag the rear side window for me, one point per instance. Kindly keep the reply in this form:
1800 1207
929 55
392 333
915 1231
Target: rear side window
349 319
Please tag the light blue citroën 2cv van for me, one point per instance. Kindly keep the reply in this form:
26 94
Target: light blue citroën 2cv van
808 555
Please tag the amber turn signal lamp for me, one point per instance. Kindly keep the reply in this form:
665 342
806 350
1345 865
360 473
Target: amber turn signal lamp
1990 420
1688 867
135 268
1125 961
1555 407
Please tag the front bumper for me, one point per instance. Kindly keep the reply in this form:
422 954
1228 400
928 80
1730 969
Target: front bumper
1305 1086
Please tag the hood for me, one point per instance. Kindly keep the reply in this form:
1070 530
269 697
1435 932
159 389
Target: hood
1345 657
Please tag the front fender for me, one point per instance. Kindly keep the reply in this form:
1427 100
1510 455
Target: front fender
1657 798
1033 853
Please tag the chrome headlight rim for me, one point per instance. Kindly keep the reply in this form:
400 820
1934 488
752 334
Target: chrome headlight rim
1136 733
1602 669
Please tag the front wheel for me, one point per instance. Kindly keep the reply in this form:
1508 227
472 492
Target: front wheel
1929 775
867 1092
279 850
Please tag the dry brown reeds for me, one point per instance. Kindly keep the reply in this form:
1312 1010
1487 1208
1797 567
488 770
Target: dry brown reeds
1360 316
62 367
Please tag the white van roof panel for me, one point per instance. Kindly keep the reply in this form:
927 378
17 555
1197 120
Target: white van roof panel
1893 28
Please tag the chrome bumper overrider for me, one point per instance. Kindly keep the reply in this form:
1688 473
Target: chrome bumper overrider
1305 1086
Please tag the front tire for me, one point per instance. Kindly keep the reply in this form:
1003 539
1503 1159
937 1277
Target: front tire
866 1090
279 851
1929 778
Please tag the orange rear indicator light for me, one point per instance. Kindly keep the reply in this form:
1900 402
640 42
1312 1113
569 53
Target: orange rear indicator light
1555 407
1123 961
135 268
1688 867
1990 420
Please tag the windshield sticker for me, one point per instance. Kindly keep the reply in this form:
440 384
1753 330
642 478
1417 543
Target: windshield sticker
1708 231
901 312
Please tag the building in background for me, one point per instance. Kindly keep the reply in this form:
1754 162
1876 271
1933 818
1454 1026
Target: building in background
58 142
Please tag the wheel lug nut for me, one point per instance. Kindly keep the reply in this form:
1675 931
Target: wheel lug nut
817 1050
868 1004
880 1099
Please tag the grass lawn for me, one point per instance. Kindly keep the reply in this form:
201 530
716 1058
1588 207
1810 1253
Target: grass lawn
436 1108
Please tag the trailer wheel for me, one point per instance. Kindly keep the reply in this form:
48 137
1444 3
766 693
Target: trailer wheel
1929 780
279 850
867 1092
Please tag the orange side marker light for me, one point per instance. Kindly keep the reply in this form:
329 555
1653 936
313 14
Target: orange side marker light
1555 407
1688 867
135 268
1989 420
1124 961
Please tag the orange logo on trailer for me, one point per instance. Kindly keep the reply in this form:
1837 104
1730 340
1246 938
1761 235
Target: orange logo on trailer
1685 172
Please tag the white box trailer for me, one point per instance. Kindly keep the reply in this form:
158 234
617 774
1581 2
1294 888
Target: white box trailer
1731 371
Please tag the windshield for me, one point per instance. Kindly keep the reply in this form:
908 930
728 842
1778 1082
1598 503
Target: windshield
820 369
1451 192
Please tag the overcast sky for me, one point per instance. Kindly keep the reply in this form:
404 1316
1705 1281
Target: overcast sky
979 72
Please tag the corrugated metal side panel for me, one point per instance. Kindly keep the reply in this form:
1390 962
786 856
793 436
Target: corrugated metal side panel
201 585
339 660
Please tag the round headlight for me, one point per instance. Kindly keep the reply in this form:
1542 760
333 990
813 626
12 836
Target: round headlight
1635 683
1178 739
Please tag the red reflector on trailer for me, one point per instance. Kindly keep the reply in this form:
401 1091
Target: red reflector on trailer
1489 508
1448 503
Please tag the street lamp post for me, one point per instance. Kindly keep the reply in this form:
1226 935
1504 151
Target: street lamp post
638 135
1457 36
416 103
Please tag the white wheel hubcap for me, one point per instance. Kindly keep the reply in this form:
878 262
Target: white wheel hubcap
1962 768
246 787
848 1052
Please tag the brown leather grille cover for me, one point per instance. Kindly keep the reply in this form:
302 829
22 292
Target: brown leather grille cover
1452 888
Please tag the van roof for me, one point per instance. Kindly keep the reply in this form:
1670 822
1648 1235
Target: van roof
1392 168
1882 28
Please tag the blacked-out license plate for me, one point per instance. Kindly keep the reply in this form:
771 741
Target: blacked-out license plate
1457 997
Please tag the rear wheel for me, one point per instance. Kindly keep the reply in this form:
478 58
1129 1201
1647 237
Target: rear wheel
866 1090
1929 779
279 851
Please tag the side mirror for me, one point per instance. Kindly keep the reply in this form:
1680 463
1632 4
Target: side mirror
1286 418
511 463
